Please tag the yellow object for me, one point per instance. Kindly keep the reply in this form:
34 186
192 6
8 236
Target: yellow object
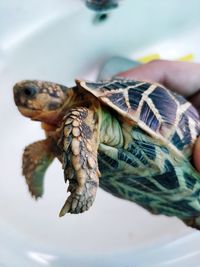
189 57
148 58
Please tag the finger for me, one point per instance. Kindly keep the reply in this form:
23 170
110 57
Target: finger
182 77
195 100
151 72
196 154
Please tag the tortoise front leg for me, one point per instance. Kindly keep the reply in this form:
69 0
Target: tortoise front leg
36 159
80 143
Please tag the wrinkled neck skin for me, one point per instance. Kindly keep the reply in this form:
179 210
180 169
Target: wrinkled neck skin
110 129
110 132
75 97
54 118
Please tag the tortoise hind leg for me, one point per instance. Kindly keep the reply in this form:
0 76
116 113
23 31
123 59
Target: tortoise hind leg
80 143
36 159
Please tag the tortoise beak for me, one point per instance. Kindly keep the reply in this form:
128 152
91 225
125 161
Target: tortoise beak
16 93
21 102
33 114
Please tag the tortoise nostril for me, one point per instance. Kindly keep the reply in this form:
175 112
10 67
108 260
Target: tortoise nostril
29 91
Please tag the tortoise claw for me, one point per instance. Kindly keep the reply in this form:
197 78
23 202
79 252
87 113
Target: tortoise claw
65 209
77 203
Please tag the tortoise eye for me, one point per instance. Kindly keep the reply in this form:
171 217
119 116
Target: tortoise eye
29 91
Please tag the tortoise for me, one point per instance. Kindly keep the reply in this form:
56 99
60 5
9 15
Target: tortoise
132 138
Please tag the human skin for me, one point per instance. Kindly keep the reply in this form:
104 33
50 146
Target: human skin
182 77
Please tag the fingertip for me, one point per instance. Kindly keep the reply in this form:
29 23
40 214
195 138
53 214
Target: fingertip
196 154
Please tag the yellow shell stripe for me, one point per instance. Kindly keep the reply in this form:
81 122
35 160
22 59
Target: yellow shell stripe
145 97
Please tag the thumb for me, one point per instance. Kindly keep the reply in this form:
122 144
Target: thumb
196 154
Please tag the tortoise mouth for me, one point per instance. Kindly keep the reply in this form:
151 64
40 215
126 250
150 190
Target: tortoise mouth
33 113
50 117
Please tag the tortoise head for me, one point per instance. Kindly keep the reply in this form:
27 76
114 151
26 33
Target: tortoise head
40 100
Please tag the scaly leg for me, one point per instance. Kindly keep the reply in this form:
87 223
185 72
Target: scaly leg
80 143
36 159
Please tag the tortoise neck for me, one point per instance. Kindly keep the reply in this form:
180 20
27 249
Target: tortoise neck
110 129
110 132
75 97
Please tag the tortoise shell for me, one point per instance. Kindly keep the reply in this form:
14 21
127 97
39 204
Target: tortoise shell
164 115
154 169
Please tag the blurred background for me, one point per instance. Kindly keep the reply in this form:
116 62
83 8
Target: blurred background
60 40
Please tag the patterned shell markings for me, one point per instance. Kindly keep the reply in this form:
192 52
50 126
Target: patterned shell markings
173 125
164 115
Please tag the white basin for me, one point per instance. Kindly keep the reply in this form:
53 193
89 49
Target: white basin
60 40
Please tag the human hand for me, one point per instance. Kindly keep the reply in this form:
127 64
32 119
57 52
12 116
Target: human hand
182 77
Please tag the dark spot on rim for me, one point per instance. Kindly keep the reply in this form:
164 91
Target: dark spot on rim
100 18
103 17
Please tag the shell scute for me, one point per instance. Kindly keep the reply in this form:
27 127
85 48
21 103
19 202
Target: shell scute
190 180
148 148
169 178
134 96
119 100
148 117
127 159
165 104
